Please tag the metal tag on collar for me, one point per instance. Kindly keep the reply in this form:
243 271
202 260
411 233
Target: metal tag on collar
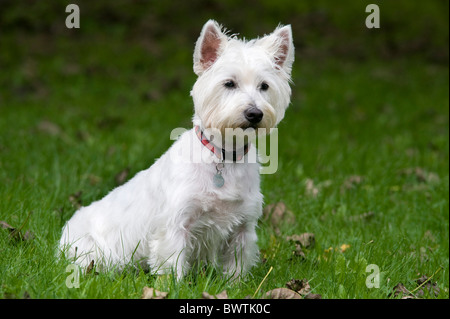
218 178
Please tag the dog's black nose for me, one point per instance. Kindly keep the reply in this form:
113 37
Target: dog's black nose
253 115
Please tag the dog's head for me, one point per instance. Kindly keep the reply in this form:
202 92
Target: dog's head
242 84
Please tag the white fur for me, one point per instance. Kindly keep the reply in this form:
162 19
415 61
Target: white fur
171 215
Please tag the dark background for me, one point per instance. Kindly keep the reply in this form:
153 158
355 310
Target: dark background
321 28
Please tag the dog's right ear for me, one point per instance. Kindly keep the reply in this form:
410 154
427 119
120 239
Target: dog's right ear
208 46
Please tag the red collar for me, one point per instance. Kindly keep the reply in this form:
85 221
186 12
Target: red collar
221 153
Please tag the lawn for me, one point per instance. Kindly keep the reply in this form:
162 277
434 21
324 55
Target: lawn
362 164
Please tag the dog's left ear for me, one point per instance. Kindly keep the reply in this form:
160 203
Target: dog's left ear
208 46
280 45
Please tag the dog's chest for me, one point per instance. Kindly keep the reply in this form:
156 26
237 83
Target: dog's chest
213 222
224 208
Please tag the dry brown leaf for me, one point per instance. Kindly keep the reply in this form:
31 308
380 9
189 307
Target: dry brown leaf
278 213
222 295
313 296
28 236
93 179
421 175
90 268
423 282
351 182
400 289
206 295
16 233
300 286
429 236
282 293
311 189
5 225
83 135
298 251
363 217
109 122
75 199
306 240
122 176
48 127
53 129
13 232
303 288
432 288
152 293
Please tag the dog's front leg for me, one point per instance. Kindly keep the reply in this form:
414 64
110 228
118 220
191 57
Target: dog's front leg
241 251
169 255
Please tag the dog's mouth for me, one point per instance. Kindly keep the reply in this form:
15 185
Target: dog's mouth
249 126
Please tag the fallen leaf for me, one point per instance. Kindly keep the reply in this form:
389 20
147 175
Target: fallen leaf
363 217
53 129
303 288
423 283
16 233
421 175
5 225
152 95
48 127
300 286
93 179
206 295
432 288
152 293
298 251
28 236
278 214
313 296
13 232
75 199
400 289
351 182
90 268
429 236
306 240
222 295
311 189
122 176
109 122
282 293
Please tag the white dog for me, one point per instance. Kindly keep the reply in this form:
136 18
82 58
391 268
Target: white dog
179 212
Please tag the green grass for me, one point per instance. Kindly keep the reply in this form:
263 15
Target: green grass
71 121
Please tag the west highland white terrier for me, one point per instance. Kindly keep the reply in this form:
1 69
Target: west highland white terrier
180 212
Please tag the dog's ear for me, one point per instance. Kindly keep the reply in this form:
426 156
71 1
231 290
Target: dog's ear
280 45
208 46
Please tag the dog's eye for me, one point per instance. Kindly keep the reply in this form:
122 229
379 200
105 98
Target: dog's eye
230 84
264 86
